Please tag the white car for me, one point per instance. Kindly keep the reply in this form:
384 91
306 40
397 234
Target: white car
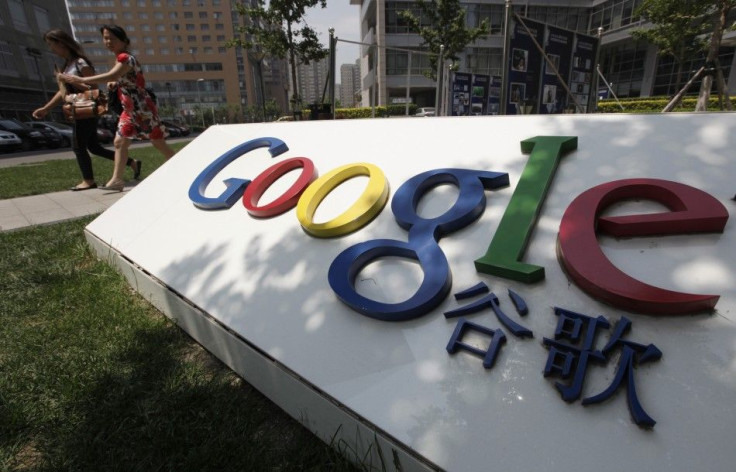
66 131
9 142
425 111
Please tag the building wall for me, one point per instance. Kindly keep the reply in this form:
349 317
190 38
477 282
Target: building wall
26 64
632 69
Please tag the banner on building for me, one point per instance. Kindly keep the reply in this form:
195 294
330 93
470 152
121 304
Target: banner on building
526 62
558 45
461 83
583 69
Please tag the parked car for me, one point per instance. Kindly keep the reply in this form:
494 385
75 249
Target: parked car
425 111
172 130
183 129
104 135
31 138
9 142
65 130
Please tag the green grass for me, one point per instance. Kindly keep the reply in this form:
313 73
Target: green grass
93 378
58 175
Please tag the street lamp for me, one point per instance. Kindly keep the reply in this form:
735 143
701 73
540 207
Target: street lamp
199 99
36 54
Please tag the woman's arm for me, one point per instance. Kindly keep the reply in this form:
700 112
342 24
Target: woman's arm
41 113
113 74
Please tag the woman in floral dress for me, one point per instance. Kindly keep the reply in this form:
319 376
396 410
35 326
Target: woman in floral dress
139 118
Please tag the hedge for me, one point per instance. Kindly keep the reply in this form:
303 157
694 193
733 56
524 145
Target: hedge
367 112
651 104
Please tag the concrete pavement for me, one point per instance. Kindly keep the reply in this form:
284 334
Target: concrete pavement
22 212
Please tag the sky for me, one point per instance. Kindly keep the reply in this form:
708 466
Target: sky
345 18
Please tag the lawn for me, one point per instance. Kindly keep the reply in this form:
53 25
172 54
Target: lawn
92 377
58 175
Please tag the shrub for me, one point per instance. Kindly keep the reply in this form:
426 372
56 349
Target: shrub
651 104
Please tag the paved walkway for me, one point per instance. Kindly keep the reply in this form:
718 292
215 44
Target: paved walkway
17 213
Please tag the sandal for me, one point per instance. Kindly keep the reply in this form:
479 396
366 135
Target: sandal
83 186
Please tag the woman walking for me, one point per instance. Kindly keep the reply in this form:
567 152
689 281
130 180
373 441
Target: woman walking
76 63
139 118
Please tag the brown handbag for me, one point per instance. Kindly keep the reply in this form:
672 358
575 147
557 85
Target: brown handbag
88 104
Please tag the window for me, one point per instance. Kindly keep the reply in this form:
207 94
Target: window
42 18
219 27
162 39
177 38
203 15
158 15
191 38
173 15
18 15
142 16
207 50
624 67
206 38
145 27
397 63
164 50
7 67
188 14
127 15
204 27
220 37
190 27
150 52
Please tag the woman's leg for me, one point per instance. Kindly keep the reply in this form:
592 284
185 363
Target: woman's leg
163 148
121 157
96 148
81 137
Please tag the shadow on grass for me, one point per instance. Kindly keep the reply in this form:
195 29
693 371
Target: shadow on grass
92 377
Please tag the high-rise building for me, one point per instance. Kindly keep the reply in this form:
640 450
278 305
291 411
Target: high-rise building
26 64
312 80
350 84
181 45
634 68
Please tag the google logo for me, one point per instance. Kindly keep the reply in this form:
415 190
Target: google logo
690 211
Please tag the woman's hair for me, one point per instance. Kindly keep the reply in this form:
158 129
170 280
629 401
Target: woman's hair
66 40
116 31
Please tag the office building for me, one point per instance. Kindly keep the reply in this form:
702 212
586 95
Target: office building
350 85
181 46
312 80
26 64
634 69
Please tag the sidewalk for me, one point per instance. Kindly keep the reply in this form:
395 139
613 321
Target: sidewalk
22 212
17 213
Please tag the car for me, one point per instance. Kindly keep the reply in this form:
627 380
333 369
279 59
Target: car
181 129
172 130
104 135
65 130
31 138
425 111
9 142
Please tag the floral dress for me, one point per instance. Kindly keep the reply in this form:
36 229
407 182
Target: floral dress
139 118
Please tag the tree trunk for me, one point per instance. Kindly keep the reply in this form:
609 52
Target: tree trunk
722 89
710 61
296 97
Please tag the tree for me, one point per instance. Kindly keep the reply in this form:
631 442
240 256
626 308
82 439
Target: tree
442 23
718 10
279 29
677 29
697 22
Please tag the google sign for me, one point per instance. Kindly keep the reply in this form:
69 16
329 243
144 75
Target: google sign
691 211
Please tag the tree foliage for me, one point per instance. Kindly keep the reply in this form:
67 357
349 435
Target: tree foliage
677 29
680 27
442 23
279 29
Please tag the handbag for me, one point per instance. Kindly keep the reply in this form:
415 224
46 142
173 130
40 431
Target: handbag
83 105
